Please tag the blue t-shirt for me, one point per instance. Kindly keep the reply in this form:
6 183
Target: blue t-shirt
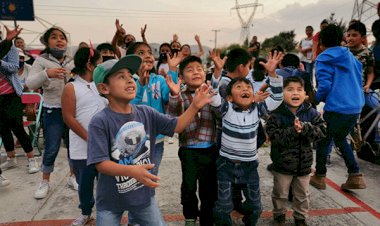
126 139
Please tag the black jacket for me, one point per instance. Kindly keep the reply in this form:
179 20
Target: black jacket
291 152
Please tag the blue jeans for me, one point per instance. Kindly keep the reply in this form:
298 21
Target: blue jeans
338 127
85 176
53 126
147 216
244 173
157 157
309 69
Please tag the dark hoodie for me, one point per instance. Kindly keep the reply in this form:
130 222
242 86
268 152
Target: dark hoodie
339 76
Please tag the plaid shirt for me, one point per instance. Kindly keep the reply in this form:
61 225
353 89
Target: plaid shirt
202 126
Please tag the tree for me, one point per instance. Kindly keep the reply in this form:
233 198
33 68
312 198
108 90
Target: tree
285 39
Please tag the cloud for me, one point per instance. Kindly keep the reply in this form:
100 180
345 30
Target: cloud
296 17
95 20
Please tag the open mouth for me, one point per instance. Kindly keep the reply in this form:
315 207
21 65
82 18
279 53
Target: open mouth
295 98
245 96
130 89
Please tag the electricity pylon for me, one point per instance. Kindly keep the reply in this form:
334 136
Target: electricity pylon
246 23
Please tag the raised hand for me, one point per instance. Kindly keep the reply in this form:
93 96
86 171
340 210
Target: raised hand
175 38
143 75
11 34
203 95
272 63
119 27
173 61
197 39
260 96
218 61
175 89
143 29
297 125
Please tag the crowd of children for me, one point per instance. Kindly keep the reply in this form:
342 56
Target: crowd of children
114 105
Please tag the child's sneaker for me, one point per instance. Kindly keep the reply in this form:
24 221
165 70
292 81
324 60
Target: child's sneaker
9 164
4 181
42 190
33 165
72 182
170 140
190 222
81 220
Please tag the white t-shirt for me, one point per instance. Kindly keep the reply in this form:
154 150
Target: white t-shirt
306 44
165 67
88 103
24 74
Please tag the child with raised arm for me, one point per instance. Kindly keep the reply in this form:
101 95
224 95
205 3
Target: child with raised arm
237 162
292 128
80 102
197 143
121 139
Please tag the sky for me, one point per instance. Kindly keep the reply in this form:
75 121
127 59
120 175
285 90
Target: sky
95 19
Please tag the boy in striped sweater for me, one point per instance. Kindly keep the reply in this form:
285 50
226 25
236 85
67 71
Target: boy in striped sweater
237 162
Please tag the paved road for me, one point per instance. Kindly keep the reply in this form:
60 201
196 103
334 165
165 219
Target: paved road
329 207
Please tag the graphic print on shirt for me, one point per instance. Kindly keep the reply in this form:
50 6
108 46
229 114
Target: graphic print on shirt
156 90
131 147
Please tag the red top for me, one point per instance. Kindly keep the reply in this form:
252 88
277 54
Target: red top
5 86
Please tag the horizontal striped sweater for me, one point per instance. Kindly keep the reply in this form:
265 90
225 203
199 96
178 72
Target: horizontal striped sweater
240 128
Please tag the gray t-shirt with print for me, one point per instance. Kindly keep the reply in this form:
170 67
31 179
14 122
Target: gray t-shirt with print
126 139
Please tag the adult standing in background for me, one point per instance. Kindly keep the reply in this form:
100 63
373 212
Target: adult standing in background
254 47
5 46
305 50
11 111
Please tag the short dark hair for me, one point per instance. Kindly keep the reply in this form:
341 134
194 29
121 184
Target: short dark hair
259 71
187 61
105 45
278 49
309 26
165 44
235 57
359 27
18 38
290 60
296 79
331 36
234 81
